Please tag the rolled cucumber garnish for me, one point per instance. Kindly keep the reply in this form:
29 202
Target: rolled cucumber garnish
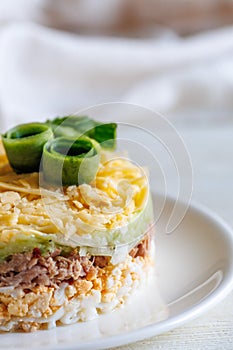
70 161
24 146
75 126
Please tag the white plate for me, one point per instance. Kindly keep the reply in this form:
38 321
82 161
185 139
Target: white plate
194 272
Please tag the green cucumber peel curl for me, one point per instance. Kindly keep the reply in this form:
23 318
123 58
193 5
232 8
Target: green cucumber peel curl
24 146
69 161
75 126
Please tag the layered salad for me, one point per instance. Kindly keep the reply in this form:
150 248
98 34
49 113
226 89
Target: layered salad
76 224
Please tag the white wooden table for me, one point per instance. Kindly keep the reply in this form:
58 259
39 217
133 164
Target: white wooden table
211 149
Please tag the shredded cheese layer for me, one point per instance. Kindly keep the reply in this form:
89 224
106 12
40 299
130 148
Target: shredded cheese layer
119 191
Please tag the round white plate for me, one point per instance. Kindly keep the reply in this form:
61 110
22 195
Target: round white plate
194 272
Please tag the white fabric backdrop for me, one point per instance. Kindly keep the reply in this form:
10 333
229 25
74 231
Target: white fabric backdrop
44 72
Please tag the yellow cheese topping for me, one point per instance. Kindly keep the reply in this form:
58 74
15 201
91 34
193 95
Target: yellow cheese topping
119 191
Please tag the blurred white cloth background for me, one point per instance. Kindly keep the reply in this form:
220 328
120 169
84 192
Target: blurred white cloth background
44 72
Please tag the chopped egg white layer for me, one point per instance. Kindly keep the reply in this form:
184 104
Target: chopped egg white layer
46 307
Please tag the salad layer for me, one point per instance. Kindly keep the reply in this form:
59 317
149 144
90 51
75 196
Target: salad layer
105 217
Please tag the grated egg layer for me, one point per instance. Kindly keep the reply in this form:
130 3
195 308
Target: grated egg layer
85 299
